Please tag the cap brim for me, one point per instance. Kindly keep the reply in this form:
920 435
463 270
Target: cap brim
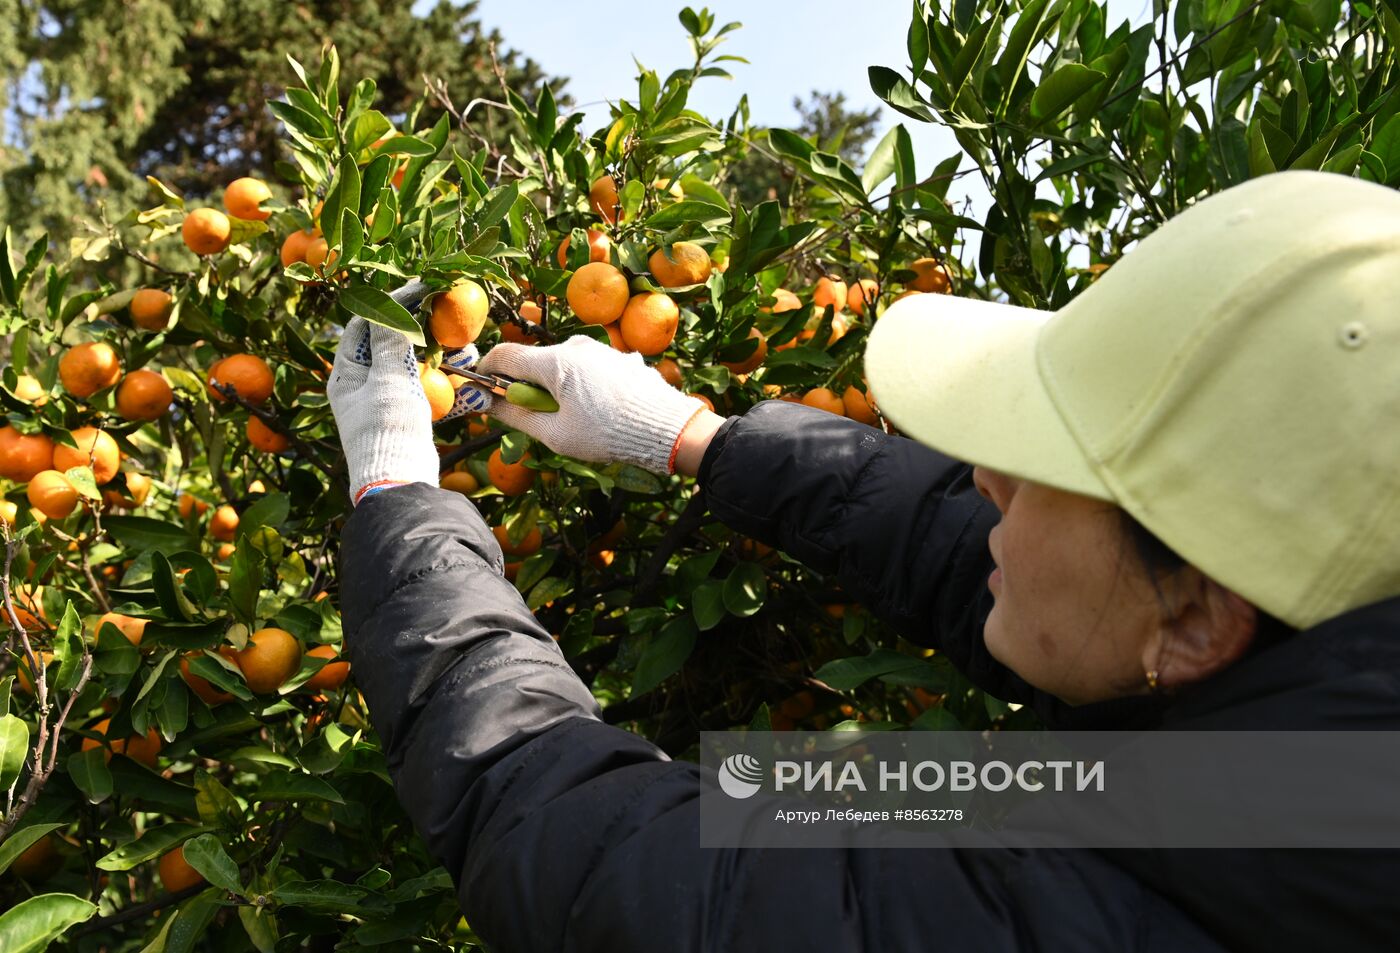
961 375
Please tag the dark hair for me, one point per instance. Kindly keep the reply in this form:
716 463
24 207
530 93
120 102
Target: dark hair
1158 560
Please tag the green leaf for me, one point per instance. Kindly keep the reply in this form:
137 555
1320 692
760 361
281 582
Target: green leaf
548 590
352 236
23 839
365 128
168 592
206 855
688 210
218 808
90 773
289 786
68 649
847 674
896 91
154 843
142 533
300 121
257 754
344 194
406 146
321 896
377 307
707 604
880 165
636 480
497 205
245 580
1062 88
745 589
191 921
1031 24
14 748
791 145
936 718
31 925
261 927
697 188
83 481
153 791
271 510
665 655
1260 162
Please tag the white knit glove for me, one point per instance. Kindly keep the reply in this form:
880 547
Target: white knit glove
612 406
380 409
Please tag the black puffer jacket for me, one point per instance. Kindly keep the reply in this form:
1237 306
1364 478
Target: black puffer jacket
565 834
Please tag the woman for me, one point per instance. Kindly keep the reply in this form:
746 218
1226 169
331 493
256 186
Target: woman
1185 512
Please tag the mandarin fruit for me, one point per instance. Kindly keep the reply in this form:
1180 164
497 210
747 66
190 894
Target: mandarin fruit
459 481
24 455
857 406
150 309
688 264
861 293
751 362
24 680
598 293
85 369
615 340
224 524
459 314
29 390
784 300
529 544
200 685
206 231
243 196
670 370
824 398
176 874
330 676
512 479
264 438
189 505
599 248
438 389
38 861
602 197
649 322
129 626
248 374
294 246
829 291
95 448
50 493
144 395
930 277
271 657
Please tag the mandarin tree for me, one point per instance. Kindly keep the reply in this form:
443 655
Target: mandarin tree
189 760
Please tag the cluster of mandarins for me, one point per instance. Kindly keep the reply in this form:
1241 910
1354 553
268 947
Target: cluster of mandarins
34 458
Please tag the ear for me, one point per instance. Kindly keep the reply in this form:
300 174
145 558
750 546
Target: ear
1204 630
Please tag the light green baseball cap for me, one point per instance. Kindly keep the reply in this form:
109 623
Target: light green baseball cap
1233 383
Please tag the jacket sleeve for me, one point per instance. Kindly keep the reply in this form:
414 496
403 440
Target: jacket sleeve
565 834
901 526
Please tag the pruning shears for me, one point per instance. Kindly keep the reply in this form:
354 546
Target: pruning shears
529 396
520 393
